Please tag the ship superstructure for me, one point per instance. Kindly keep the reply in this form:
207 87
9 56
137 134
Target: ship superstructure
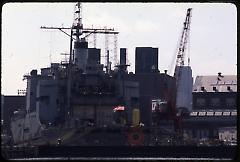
74 93
84 102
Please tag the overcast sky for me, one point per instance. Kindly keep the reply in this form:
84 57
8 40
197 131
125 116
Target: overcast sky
212 48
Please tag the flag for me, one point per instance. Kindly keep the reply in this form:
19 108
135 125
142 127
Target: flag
118 108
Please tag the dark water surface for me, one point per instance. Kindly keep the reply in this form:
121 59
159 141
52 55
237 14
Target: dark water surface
134 153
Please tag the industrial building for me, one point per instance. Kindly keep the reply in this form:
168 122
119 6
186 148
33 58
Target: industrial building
216 92
214 107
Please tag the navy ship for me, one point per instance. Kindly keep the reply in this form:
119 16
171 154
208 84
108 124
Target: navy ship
81 102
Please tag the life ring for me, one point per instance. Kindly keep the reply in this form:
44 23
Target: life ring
135 137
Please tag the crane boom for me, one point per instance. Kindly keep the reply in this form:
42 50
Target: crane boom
180 61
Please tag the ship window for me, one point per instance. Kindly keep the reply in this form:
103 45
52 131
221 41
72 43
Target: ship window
201 102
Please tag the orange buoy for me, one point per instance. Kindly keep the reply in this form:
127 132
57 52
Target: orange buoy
135 137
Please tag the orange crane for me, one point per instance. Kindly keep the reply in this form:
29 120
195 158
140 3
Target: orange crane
174 112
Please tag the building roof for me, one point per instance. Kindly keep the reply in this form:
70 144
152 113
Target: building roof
215 83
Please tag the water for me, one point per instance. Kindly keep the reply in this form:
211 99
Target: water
121 158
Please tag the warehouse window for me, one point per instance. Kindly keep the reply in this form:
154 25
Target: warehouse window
210 113
218 113
202 113
234 113
227 113
194 113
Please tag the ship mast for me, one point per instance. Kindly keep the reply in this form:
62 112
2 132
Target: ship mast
76 30
78 51
77 22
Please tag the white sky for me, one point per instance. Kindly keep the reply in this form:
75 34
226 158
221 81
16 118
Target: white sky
213 35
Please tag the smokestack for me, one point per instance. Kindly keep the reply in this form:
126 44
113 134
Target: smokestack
123 56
